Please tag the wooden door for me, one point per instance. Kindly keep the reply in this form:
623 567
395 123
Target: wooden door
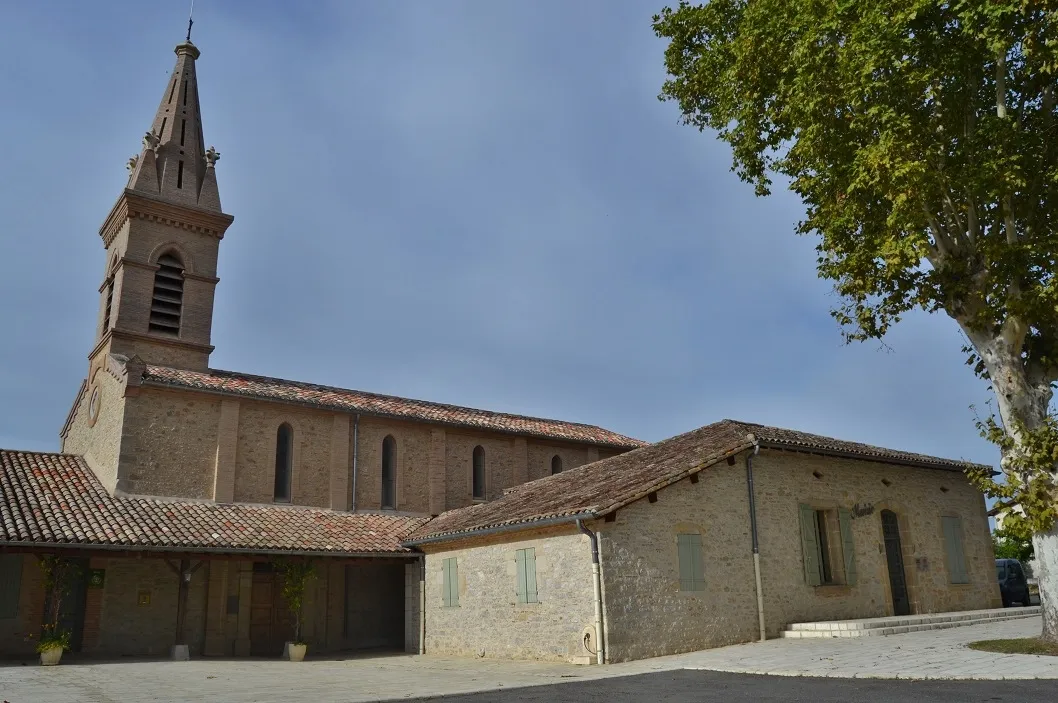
270 621
894 558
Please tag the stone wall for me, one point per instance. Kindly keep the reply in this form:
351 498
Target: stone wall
98 440
169 445
646 614
256 453
919 497
489 621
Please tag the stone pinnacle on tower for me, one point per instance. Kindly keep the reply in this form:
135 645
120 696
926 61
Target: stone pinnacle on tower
174 164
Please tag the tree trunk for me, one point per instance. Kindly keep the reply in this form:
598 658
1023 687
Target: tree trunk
1046 546
1025 400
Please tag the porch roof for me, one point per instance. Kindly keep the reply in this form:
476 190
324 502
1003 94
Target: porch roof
56 500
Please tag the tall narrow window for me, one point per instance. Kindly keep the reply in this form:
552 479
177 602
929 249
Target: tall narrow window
450 583
953 549
183 130
168 296
284 462
179 174
172 90
10 584
556 464
389 472
479 473
692 566
108 304
185 92
525 561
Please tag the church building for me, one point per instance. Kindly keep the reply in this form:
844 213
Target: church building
178 485
180 490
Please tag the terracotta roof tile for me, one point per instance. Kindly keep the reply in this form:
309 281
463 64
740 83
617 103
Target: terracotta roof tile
56 499
601 487
266 388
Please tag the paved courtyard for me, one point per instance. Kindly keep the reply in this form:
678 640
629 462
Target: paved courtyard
934 654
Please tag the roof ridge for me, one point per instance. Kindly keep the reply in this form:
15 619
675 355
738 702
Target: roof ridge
309 385
34 451
389 396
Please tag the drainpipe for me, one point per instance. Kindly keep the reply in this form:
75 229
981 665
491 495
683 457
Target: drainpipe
597 583
753 531
422 604
356 444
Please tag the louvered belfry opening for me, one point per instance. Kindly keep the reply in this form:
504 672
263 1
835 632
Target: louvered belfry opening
168 297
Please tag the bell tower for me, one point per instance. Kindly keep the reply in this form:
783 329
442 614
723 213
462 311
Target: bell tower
162 238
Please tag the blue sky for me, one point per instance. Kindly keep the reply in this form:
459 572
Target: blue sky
469 202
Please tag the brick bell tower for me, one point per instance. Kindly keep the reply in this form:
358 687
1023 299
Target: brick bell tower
162 238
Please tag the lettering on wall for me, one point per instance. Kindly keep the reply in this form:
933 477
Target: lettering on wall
862 509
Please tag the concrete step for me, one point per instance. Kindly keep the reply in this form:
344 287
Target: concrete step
870 627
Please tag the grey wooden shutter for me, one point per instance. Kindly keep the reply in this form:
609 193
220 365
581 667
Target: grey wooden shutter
519 558
531 595
953 548
692 572
810 545
848 547
450 585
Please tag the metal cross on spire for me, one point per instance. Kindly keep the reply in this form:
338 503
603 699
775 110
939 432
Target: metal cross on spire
190 20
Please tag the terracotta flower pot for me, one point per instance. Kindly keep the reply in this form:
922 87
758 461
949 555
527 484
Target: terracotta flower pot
50 656
296 652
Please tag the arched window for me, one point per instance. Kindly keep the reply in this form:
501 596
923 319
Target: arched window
389 472
284 462
108 295
479 473
556 464
168 296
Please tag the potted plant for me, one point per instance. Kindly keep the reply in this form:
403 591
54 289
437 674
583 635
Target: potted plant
295 575
58 575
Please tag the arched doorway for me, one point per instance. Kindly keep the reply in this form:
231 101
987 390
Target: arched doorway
894 559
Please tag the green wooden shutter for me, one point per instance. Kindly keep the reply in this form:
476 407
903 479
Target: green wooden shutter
810 545
848 547
954 549
519 558
450 585
10 584
531 595
692 573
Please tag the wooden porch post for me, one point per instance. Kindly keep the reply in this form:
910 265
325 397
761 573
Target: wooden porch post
183 575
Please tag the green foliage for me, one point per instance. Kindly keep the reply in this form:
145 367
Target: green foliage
295 575
922 137
1009 545
58 576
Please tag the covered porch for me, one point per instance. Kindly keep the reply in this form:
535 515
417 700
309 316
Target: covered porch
154 578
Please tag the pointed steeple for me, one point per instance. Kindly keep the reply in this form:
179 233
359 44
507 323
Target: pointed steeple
175 164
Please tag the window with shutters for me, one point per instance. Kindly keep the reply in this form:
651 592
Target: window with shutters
692 565
827 546
389 473
10 584
526 563
955 554
284 463
450 583
167 299
478 470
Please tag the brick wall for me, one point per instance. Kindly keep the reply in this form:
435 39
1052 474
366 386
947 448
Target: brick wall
489 622
30 614
129 628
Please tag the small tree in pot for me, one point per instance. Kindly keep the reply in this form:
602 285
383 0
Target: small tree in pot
59 573
295 575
